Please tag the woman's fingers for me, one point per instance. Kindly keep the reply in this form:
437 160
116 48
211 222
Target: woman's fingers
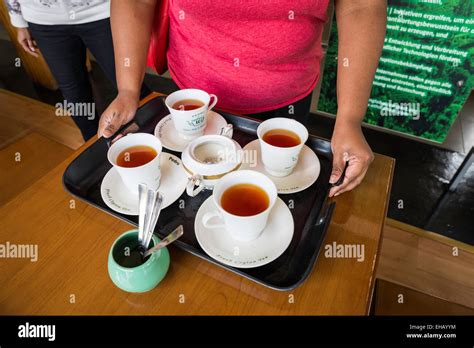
26 42
120 111
24 45
31 45
109 123
355 172
353 184
111 128
31 48
338 165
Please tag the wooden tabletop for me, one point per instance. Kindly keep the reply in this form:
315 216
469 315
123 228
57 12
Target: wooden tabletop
73 238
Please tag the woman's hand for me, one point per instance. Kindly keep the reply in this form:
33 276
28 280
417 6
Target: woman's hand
119 112
348 144
25 40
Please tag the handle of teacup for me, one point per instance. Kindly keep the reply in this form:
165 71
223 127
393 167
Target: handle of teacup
206 220
214 102
227 131
193 181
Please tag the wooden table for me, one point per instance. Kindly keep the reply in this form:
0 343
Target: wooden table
33 140
73 238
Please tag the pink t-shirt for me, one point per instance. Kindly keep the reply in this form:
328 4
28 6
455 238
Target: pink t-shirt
254 55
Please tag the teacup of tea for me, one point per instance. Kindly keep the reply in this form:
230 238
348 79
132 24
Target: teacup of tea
136 157
188 109
281 140
244 200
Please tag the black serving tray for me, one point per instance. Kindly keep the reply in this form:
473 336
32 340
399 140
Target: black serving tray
311 211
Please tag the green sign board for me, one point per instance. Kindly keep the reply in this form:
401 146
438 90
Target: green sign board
426 71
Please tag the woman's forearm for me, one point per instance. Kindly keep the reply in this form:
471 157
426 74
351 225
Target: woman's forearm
361 31
131 23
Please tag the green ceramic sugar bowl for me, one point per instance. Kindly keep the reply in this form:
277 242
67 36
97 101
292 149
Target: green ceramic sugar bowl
129 271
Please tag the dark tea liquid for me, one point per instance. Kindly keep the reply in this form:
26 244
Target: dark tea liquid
187 104
127 252
244 200
136 156
281 138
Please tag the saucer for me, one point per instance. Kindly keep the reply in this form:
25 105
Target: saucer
170 139
272 242
173 183
303 176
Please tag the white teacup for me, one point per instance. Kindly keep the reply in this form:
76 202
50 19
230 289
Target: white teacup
280 161
190 123
243 228
148 173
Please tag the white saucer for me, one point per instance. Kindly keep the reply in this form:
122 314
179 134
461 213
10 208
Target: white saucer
119 198
170 139
303 176
272 242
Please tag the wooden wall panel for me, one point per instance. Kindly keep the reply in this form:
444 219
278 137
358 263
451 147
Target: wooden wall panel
393 299
426 262
35 67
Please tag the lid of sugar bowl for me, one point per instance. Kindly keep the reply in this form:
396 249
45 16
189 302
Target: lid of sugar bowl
211 156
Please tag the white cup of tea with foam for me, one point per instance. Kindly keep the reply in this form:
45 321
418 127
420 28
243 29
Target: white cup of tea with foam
188 109
136 157
243 200
281 140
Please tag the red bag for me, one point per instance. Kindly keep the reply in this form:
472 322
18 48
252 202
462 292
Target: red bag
159 38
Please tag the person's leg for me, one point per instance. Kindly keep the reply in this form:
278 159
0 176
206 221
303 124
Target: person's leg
298 110
65 54
97 36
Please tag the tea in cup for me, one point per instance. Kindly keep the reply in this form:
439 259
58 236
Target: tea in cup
136 157
244 200
281 141
188 109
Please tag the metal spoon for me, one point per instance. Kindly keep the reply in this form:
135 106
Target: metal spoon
142 200
149 198
227 131
155 198
170 238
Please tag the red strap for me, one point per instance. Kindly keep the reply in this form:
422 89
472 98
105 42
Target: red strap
159 38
